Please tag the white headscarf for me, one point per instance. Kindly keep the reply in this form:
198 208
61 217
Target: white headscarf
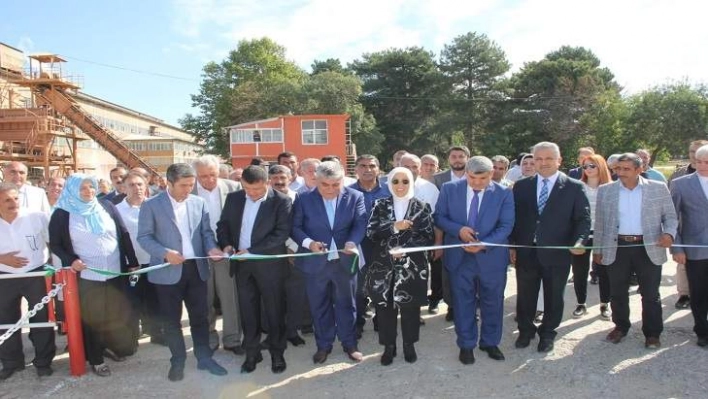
400 204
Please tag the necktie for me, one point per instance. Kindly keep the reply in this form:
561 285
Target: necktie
329 205
474 209
543 197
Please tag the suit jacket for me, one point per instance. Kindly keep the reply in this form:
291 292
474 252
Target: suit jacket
565 219
158 232
60 238
225 187
494 223
310 221
441 178
271 227
658 217
691 203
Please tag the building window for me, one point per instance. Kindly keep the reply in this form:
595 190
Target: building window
314 132
241 136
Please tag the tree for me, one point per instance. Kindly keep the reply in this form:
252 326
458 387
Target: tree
666 118
552 95
328 65
471 66
255 81
400 89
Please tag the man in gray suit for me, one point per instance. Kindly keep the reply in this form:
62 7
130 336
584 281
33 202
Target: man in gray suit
457 157
214 190
174 227
690 195
635 221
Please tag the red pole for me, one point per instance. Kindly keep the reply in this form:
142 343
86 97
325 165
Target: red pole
51 317
72 310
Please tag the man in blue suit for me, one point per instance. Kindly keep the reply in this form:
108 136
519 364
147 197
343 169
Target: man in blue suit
477 271
331 218
174 227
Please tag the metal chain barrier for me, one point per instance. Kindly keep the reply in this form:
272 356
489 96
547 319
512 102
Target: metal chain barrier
39 306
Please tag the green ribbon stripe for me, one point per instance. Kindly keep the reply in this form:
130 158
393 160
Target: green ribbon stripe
51 269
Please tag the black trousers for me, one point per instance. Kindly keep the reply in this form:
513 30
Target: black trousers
436 279
11 293
105 318
262 283
530 273
297 307
145 308
388 324
628 260
697 273
193 291
603 282
581 268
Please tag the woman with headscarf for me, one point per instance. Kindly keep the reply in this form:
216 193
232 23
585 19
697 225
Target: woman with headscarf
84 231
399 282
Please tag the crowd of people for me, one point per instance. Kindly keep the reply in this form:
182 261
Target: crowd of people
298 247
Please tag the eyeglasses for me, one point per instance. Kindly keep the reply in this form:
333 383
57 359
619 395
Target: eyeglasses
396 181
590 166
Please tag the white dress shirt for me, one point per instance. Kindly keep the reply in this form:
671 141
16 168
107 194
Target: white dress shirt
704 184
426 192
34 199
99 251
297 183
454 177
130 214
213 200
28 233
185 230
630 210
250 211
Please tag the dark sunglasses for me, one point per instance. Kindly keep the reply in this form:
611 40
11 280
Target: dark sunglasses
396 181
590 166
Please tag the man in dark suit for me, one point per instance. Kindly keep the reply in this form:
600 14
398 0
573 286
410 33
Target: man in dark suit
457 157
117 195
174 227
256 220
690 196
331 218
475 271
551 210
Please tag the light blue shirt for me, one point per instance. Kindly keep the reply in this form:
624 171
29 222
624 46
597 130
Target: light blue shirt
250 211
630 210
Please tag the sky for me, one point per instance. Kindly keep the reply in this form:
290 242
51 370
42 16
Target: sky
148 55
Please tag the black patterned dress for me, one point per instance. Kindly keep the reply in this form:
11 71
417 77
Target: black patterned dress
403 281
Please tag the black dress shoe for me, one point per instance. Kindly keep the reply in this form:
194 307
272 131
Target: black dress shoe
211 366
450 316
493 351
409 354
388 355
433 307
702 342
237 350
306 330
296 340
8 372
545 345
321 356
250 364
467 356
158 340
44 371
684 302
522 342
176 373
277 365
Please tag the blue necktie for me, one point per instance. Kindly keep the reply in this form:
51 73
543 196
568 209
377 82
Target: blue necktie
543 197
330 216
474 209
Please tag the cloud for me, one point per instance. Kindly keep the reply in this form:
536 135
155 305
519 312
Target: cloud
644 42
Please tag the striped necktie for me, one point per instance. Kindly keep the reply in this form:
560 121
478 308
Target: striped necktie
543 197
